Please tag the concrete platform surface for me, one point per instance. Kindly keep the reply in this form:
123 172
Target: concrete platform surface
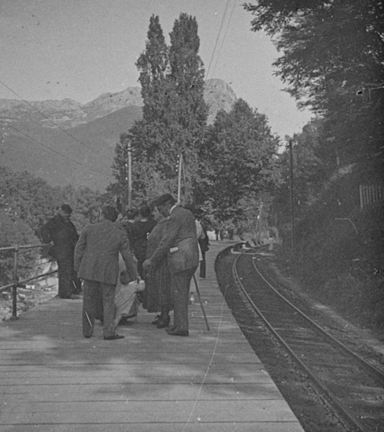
53 379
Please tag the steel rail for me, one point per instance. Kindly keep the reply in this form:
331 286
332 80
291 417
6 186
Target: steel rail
347 416
336 343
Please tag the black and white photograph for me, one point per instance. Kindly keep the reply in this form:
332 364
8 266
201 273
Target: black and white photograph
192 216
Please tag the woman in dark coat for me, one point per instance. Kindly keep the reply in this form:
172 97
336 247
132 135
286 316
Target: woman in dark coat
62 232
139 232
157 293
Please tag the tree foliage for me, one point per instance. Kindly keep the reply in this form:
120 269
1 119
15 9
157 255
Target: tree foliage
15 232
309 171
27 202
242 152
174 113
331 61
31 201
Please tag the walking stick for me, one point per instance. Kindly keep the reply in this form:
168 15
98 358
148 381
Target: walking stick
88 319
201 303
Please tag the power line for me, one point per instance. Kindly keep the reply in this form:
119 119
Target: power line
223 39
57 152
217 38
43 115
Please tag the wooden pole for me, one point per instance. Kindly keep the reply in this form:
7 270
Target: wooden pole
291 188
201 303
15 280
179 178
129 162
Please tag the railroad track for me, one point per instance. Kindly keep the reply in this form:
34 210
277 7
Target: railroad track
351 387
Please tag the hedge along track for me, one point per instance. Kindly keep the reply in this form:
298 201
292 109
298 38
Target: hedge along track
351 387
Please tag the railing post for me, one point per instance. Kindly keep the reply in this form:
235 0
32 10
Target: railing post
15 281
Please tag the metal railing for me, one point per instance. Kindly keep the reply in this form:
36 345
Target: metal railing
16 282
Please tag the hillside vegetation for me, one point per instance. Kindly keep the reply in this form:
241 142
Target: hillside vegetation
338 257
26 203
331 62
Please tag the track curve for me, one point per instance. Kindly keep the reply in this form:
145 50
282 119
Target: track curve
351 386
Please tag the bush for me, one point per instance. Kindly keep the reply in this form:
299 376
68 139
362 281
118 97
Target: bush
14 232
339 256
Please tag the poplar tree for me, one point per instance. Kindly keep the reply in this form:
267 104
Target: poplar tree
120 169
174 111
188 110
151 148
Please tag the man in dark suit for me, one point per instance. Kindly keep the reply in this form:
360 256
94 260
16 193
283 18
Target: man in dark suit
62 232
97 262
179 245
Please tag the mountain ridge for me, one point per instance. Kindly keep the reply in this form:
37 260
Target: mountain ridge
66 142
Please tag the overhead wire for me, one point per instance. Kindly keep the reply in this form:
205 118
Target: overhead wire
223 38
37 141
43 115
217 38
57 152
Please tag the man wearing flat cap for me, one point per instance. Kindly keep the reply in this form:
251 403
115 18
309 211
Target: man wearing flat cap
179 245
62 232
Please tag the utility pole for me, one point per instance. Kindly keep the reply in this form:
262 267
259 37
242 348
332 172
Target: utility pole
129 173
291 187
180 167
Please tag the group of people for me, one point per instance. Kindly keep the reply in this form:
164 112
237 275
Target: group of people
161 245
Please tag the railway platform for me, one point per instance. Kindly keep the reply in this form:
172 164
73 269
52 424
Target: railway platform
53 379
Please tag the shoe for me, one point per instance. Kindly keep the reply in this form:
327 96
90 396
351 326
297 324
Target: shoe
156 320
163 322
176 332
114 337
125 322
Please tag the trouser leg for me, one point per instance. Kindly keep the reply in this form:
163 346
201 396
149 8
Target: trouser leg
203 267
99 306
65 268
180 289
108 293
165 309
90 295
76 283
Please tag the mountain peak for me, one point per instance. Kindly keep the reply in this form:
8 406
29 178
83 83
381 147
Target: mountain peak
34 138
219 96
110 102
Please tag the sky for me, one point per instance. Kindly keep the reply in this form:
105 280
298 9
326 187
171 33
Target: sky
80 49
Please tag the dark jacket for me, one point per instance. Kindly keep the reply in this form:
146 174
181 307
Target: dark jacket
179 243
204 241
63 234
97 253
138 235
